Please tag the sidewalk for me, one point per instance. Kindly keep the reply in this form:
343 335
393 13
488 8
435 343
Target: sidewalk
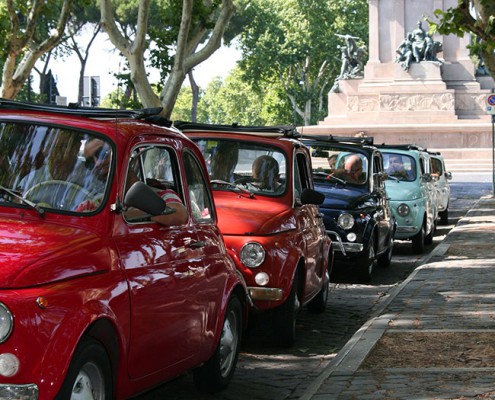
434 337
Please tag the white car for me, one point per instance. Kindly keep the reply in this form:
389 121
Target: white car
441 180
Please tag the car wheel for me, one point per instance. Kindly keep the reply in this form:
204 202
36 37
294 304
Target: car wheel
285 318
319 303
368 263
89 375
444 217
217 372
418 241
386 258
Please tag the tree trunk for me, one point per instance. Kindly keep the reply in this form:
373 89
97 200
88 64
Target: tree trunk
195 96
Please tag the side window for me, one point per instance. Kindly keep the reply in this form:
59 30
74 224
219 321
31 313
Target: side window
303 173
199 199
436 167
422 166
377 168
158 168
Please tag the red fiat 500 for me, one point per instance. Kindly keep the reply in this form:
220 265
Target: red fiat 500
268 215
114 275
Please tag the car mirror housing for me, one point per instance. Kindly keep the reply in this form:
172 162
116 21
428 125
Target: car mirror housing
310 196
144 198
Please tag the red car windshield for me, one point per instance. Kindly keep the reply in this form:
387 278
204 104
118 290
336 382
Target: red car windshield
259 168
55 168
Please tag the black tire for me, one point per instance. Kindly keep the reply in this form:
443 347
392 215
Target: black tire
90 372
418 241
367 264
284 318
444 217
217 372
385 259
319 303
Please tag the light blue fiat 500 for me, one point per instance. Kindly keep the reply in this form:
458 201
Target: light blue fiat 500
413 196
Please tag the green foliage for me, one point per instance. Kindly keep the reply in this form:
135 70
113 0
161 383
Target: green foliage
290 41
470 16
182 108
235 100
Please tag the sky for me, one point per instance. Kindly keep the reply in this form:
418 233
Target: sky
103 61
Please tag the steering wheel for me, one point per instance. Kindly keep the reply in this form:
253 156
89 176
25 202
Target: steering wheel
243 180
58 194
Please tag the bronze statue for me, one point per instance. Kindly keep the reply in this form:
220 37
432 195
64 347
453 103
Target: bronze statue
417 46
352 61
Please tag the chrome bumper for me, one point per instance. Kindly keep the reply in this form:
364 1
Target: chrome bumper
19 392
348 247
407 229
261 293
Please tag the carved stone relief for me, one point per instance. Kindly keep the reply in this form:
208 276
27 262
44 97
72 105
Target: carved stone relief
417 102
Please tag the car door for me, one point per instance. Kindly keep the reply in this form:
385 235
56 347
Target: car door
209 240
311 225
429 189
383 212
165 273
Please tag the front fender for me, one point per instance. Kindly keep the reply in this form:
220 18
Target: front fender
45 338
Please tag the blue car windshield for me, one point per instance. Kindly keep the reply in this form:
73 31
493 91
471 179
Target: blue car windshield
400 166
332 164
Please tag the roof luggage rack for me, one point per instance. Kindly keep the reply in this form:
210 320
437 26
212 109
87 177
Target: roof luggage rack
149 114
401 146
274 131
341 139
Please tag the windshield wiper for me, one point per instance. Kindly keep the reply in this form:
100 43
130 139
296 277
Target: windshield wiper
233 187
34 206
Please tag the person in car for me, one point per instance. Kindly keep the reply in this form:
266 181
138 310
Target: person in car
396 167
265 172
224 161
352 171
60 164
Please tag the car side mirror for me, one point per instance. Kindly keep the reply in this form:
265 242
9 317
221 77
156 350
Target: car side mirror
310 196
426 177
144 198
448 175
380 177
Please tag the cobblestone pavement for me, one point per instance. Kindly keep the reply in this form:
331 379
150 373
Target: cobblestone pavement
268 372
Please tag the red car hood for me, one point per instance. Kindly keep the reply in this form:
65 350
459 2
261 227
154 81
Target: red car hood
38 252
252 216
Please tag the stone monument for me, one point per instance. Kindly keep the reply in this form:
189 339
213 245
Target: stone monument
416 88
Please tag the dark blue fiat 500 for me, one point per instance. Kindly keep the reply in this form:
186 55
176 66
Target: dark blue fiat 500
349 171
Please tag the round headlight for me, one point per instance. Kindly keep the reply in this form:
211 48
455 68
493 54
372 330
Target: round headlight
6 323
346 221
252 254
9 364
403 210
351 237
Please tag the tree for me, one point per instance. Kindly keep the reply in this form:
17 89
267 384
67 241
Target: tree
36 27
84 18
474 16
294 43
236 101
198 20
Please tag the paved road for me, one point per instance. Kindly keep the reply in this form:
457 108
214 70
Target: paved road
267 372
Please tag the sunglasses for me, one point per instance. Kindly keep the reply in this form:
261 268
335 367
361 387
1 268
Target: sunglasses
99 155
